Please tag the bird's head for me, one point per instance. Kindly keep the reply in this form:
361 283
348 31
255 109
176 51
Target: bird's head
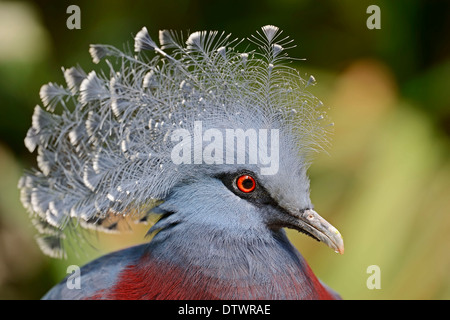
222 135
239 198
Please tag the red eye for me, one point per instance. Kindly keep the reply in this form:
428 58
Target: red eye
246 183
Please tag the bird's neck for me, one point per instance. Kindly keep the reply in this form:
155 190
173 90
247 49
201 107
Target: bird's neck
202 264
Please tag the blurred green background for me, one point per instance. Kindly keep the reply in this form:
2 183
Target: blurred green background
384 184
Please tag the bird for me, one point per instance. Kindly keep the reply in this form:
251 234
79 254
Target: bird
212 135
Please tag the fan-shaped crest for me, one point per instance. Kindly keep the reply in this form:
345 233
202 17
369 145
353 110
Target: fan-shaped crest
104 140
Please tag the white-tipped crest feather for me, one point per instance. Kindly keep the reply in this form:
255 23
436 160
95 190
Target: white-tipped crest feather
270 32
142 41
98 52
74 77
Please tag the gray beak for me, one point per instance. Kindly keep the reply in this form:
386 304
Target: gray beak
311 222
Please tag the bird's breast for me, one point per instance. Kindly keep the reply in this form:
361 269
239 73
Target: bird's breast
152 279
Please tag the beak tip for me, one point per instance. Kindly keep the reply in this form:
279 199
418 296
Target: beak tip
339 240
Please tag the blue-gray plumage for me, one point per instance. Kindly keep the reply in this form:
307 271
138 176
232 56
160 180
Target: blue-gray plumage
215 140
